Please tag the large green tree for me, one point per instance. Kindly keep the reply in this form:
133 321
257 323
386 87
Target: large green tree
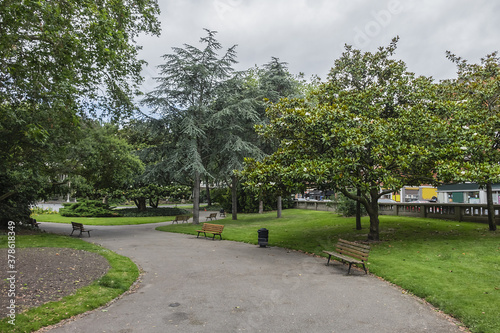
59 60
104 160
189 82
474 121
372 126
238 110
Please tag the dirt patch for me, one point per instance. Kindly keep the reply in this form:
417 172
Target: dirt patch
48 274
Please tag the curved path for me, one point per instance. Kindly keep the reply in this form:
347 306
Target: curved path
200 285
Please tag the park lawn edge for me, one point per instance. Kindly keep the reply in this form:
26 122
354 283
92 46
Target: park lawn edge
104 221
119 279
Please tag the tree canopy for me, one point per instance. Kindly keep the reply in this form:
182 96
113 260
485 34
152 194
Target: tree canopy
474 105
190 80
59 61
370 127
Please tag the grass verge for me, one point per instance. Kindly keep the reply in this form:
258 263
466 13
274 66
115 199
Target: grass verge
122 274
56 218
453 265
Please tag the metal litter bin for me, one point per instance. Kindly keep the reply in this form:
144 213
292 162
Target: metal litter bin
263 237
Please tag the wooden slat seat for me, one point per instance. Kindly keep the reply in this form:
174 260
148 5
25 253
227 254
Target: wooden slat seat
214 229
212 216
350 252
79 227
182 218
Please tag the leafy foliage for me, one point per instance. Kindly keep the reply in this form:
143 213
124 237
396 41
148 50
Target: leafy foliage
371 126
87 208
474 100
59 61
154 193
104 160
191 80
161 211
346 206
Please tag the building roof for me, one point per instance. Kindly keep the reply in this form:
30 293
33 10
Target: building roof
464 187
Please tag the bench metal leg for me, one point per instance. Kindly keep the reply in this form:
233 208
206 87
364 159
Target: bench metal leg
328 263
349 270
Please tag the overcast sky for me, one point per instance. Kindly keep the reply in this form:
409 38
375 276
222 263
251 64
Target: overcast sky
309 34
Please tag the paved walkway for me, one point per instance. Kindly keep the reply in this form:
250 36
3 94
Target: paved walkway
200 285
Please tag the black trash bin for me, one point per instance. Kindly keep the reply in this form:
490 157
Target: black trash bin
263 237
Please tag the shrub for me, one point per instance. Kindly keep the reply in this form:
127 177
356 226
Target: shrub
87 208
162 211
347 207
38 211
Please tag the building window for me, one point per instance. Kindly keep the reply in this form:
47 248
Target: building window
496 197
473 197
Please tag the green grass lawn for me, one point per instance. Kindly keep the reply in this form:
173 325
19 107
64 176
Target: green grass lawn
122 274
453 265
101 220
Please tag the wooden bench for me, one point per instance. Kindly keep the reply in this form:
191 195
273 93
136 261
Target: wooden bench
212 216
79 227
351 252
215 229
183 218
33 223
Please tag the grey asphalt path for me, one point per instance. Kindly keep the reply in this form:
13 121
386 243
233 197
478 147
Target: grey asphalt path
201 285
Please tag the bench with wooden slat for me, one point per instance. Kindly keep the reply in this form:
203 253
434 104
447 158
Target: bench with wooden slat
214 229
183 218
79 227
33 223
351 252
212 216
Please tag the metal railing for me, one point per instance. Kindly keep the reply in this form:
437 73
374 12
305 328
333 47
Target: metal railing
448 211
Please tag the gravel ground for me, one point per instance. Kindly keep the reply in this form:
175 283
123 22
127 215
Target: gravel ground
48 274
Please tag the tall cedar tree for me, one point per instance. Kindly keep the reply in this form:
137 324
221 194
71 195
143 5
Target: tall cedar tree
190 80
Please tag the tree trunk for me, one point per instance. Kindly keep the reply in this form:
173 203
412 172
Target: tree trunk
234 197
261 206
279 206
196 198
105 200
153 202
358 210
491 209
207 188
372 209
141 204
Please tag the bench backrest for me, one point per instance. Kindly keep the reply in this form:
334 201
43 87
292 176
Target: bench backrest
213 214
77 225
212 227
182 217
352 249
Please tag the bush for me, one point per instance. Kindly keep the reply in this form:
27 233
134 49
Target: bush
87 208
162 211
38 211
347 207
